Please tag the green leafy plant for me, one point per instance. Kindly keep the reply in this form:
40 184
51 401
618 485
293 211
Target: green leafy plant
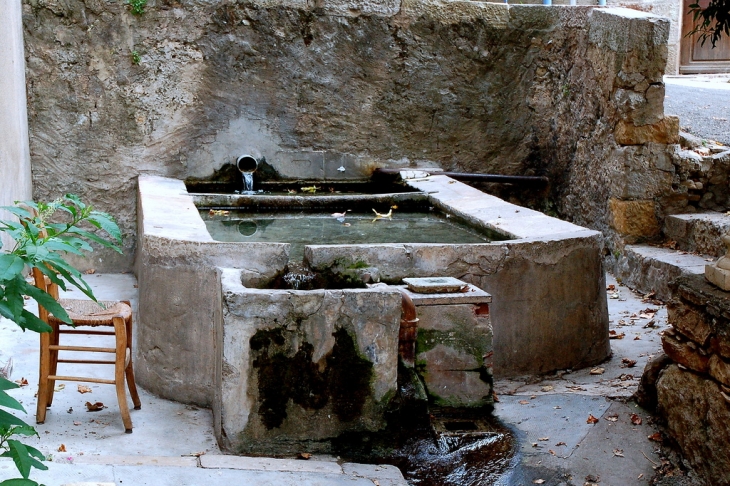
137 6
714 21
43 233
136 57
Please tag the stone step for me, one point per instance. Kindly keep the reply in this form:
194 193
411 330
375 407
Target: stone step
698 232
648 268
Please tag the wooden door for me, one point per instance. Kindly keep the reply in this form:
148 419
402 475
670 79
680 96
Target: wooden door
696 58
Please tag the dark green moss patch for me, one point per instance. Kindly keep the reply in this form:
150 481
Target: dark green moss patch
344 382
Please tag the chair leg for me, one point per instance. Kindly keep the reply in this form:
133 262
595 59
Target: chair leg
55 336
119 371
130 368
43 382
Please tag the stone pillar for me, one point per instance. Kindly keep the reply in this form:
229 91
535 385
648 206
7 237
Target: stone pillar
718 273
454 345
15 176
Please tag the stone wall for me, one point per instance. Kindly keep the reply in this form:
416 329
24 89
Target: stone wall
693 390
15 179
185 88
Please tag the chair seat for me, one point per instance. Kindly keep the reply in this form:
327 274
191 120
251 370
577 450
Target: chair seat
90 313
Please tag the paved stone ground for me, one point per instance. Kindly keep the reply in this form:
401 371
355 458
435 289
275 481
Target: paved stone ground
702 103
173 444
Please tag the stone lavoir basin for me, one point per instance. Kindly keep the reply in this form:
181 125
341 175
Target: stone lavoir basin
287 370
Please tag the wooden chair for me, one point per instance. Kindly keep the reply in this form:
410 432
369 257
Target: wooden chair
86 313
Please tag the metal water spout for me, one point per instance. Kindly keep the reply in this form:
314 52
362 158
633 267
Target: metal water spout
247 165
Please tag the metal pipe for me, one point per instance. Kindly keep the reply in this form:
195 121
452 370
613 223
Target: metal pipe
465 176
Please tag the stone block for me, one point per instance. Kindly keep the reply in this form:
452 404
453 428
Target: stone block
299 368
718 276
467 389
665 131
697 415
689 322
685 353
634 218
453 348
720 369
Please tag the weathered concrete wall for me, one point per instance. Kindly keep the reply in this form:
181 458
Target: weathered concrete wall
179 291
15 178
299 368
549 310
465 85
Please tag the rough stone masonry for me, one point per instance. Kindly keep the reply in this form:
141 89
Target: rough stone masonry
184 88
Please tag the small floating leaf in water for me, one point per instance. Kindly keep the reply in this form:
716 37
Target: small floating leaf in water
378 215
218 212
311 189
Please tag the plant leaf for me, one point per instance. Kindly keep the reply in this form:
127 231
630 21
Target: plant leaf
10 402
7 419
10 266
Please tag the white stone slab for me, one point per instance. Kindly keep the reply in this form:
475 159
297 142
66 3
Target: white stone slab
268 464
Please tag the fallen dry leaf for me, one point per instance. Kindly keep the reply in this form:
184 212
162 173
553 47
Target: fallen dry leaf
544 439
575 388
304 455
94 407
22 382
637 338
523 402
613 335
90 271
546 388
561 443
611 287
534 444
591 419
538 481
656 437
551 451
618 452
60 387
612 418
193 454
628 363
597 371
84 389
635 419
77 423
62 448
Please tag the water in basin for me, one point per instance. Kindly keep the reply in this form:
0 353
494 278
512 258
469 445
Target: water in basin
301 228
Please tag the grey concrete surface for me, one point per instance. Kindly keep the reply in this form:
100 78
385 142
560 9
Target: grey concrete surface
702 103
168 435
553 410
15 175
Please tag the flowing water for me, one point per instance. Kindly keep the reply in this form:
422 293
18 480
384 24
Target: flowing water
247 181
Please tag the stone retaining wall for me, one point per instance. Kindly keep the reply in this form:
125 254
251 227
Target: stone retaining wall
186 87
693 393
